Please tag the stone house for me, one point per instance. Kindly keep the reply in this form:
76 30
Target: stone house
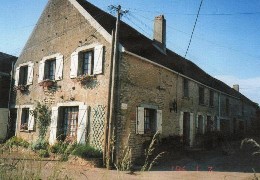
67 64
6 64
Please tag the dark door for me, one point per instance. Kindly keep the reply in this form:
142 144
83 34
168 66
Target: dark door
12 123
186 128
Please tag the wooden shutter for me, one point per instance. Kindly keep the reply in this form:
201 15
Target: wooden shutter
159 121
181 123
17 71
59 68
30 74
74 64
140 120
41 71
98 59
82 124
53 127
31 120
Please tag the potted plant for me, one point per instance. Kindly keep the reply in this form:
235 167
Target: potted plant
47 83
24 127
21 87
85 78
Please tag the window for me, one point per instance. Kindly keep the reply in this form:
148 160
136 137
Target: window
201 95
227 106
211 98
185 87
149 120
24 119
68 123
86 61
23 75
200 124
49 69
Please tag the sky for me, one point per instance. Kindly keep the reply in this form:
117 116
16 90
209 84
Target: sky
225 44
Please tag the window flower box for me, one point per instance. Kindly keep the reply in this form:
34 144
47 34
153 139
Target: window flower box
85 78
21 88
24 127
47 83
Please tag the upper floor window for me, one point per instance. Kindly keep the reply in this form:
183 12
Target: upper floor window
49 69
201 95
87 60
211 98
185 87
24 74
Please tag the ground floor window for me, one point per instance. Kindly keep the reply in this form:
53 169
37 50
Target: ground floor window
68 123
209 124
24 119
149 120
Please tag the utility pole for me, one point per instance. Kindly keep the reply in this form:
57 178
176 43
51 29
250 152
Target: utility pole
114 90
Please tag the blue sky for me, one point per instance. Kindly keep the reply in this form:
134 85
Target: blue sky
225 44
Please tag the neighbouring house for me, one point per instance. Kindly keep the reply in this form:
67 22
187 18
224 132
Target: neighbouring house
67 64
6 64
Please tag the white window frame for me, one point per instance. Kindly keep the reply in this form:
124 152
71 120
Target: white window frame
98 59
30 66
140 118
58 69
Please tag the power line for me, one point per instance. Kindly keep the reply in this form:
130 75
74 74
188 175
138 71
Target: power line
193 28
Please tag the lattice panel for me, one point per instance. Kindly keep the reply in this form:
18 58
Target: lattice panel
98 125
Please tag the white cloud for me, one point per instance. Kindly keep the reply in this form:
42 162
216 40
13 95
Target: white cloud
249 87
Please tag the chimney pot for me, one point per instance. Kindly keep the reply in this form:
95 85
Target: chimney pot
236 87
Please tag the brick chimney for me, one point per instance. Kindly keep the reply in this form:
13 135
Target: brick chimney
236 87
159 35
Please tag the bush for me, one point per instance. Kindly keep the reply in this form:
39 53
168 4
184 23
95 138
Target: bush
16 141
44 153
86 151
40 144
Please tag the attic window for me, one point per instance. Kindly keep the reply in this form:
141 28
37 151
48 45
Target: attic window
86 61
49 70
23 75
185 87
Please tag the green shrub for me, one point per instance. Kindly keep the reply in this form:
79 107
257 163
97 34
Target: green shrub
59 147
16 141
40 144
43 153
86 151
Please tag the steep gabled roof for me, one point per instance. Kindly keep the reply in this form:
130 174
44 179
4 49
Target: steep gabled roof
6 62
135 42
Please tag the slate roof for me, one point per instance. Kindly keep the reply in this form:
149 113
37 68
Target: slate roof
6 62
135 42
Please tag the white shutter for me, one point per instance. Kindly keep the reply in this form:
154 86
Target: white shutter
82 124
140 120
31 120
59 68
98 59
181 123
17 76
53 128
41 71
159 121
74 61
30 74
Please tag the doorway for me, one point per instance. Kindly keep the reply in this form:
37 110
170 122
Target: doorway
186 128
